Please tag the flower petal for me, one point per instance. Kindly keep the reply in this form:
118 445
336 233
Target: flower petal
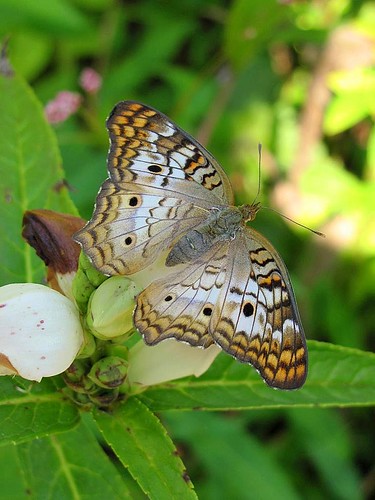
169 360
40 330
50 234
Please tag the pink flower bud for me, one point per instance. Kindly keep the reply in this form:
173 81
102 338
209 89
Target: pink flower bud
65 104
90 80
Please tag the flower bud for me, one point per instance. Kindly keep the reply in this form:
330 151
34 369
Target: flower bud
104 397
76 378
111 308
75 372
62 106
88 346
109 372
87 278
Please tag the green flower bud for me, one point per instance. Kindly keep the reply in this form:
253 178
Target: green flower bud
76 378
109 372
94 276
82 400
86 280
83 386
104 397
110 309
75 372
89 345
119 350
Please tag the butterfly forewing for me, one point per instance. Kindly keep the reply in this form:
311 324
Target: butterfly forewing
148 149
162 183
130 229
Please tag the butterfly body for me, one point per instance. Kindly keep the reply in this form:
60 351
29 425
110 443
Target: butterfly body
165 192
222 224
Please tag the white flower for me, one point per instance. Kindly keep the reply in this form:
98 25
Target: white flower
40 331
169 360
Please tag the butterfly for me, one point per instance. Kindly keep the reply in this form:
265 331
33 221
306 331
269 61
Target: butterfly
227 285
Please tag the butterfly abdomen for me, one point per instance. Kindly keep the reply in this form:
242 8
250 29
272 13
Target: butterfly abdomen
191 246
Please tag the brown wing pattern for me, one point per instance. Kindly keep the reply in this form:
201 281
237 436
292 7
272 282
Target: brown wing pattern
148 149
237 294
162 183
130 229
257 319
180 306
241 299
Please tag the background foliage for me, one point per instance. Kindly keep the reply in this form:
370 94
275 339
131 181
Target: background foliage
296 76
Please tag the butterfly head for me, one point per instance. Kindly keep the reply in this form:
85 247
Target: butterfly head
249 212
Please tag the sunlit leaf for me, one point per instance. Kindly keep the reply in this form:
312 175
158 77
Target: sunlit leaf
30 176
338 376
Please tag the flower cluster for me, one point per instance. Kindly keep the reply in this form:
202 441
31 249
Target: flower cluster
67 103
62 106
80 323
90 80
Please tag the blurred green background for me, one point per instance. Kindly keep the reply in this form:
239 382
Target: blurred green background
296 76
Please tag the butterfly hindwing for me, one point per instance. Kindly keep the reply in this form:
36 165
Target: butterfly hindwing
251 315
257 319
180 306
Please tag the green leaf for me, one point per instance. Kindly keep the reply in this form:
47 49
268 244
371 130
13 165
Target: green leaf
30 176
353 99
128 75
143 446
13 484
250 26
218 439
29 411
338 376
323 435
39 51
70 465
55 17
344 111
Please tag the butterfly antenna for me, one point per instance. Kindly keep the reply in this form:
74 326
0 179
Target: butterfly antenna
318 233
259 172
